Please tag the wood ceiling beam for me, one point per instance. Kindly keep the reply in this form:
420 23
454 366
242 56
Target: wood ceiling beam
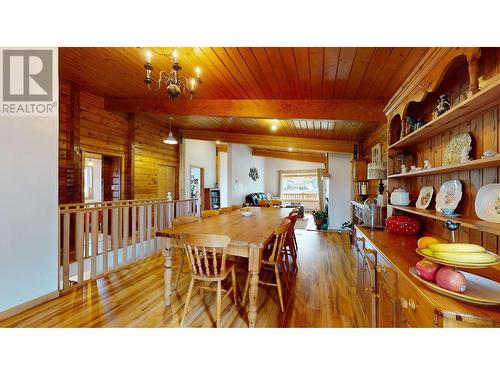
271 140
317 109
315 158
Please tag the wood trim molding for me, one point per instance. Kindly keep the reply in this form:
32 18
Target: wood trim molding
427 75
75 148
356 110
315 158
272 140
28 305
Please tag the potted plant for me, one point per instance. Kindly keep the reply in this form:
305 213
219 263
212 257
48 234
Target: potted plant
320 219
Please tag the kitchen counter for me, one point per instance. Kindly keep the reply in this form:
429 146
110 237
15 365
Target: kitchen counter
400 251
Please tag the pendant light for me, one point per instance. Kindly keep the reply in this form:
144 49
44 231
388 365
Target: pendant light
170 140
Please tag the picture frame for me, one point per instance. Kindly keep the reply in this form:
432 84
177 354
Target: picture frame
377 153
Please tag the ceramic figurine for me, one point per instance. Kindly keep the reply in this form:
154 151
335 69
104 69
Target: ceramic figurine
169 196
403 168
414 168
488 154
443 104
427 164
419 124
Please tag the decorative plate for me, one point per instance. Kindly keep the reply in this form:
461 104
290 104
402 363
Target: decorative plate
458 149
425 197
487 204
449 195
480 290
460 264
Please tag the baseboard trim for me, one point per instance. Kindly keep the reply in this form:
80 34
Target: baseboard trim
28 305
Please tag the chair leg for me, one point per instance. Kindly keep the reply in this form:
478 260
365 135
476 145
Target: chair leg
245 291
188 299
278 284
179 272
219 302
233 276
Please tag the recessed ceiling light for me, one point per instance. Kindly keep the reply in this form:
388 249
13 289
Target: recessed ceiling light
274 127
290 149
217 142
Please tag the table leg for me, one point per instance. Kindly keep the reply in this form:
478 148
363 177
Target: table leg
253 292
167 250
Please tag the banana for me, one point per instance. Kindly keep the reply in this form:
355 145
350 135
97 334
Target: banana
427 252
457 247
465 257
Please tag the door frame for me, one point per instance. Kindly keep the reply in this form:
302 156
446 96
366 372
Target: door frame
91 150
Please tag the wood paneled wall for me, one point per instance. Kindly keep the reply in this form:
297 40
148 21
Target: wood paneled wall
484 130
378 135
86 126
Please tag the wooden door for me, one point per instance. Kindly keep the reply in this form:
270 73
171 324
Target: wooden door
166 181
387 308
111 177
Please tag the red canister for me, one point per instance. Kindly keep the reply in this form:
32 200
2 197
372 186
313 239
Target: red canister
402 225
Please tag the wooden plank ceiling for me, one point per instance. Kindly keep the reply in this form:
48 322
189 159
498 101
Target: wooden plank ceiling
348 75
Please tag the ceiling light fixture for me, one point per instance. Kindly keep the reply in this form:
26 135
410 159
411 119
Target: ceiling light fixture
176 84
290 149
217 142
170 140
274 126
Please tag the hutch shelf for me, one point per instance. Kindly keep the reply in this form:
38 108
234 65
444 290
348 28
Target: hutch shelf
470 108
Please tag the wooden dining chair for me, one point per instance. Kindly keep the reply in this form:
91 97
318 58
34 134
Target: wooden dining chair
176 222
235 207
209 213
265 203
290 249
208 263
225 209
272 259
276 202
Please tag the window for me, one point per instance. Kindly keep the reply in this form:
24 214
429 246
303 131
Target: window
299 185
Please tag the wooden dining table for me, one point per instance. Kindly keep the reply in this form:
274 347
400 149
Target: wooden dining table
249 236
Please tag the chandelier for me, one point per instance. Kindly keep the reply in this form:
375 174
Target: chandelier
174 82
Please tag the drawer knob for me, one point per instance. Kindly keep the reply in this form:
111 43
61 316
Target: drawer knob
404 303
412 303
381 269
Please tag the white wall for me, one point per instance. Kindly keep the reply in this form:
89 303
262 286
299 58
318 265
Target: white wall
239 183
28 205
273 165
339 209
223 179
199 154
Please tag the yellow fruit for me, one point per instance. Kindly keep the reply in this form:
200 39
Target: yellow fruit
465 257
457 247
427 252
424 242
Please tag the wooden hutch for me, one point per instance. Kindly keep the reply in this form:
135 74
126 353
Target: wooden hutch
471 79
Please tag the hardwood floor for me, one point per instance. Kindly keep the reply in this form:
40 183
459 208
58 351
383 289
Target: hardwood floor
324 296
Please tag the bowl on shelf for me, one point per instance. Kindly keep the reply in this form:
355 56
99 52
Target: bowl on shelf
447 211
402 225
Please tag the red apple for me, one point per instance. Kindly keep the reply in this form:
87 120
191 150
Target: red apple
450 279
427 270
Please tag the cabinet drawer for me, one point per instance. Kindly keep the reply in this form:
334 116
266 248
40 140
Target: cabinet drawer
414 306
387 273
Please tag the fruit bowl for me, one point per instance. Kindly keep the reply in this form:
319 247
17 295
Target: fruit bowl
459 264
402 225
480 290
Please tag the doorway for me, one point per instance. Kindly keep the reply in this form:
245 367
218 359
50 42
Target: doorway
196 178
166 181
102 177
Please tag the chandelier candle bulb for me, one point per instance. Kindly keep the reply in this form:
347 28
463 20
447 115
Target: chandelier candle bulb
175 55
198 72
148 57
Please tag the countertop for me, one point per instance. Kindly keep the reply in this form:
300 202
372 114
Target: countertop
400 251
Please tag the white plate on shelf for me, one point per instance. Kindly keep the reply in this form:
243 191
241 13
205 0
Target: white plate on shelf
425 197
487 203
449 195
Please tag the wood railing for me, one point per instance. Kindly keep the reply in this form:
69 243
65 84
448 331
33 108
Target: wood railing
98 237
299 197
